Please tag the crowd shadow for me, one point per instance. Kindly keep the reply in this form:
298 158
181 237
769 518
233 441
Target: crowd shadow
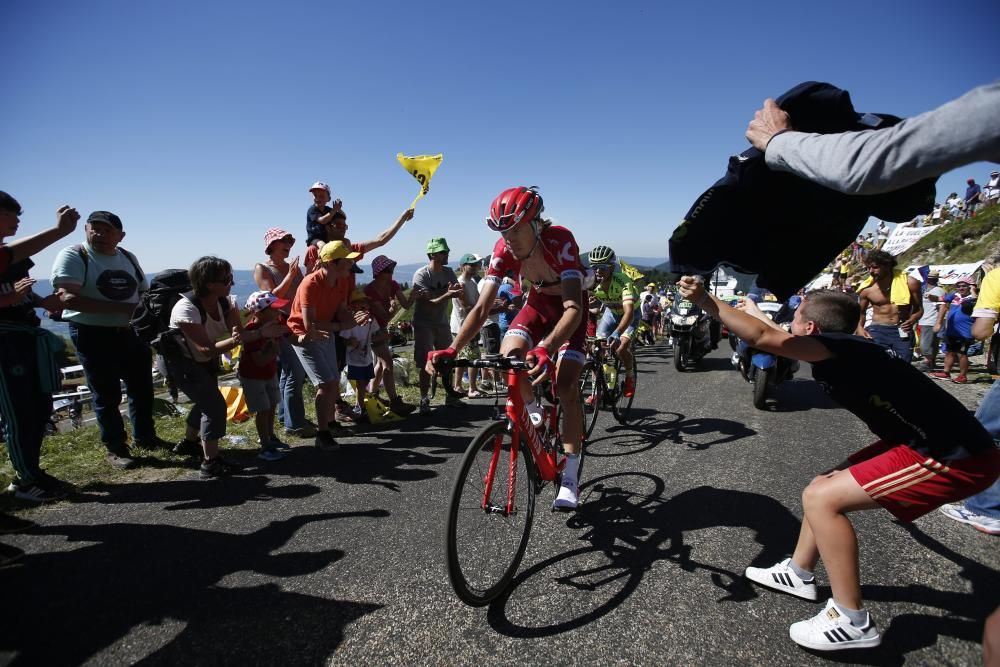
653 427
72 604
633 530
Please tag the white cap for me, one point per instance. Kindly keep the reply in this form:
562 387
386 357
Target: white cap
319 185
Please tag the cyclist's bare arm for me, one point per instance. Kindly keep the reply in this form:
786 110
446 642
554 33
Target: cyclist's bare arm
477 314
626 318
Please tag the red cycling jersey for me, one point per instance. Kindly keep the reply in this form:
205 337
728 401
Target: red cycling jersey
558 248
541 312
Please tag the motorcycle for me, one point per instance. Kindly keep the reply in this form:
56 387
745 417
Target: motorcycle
763 370
690 330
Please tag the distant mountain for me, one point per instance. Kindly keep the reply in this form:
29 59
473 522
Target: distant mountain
644 262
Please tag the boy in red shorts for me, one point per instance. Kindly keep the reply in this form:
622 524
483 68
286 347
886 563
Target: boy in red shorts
931 451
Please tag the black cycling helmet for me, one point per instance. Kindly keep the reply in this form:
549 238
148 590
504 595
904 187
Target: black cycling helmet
602 254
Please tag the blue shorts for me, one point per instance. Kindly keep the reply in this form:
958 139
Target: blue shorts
609 322
360 373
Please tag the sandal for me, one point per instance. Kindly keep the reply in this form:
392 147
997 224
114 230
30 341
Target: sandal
476 394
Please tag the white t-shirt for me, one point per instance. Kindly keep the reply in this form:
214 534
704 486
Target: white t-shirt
929 318
186 312
361 354
459 310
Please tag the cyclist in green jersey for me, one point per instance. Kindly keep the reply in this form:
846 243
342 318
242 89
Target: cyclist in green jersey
620 319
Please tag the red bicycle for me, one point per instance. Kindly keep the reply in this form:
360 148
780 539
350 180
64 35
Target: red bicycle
493 495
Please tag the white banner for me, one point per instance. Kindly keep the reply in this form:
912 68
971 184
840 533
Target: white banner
902 238
949 273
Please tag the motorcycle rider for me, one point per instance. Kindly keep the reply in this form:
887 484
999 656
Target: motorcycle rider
620 319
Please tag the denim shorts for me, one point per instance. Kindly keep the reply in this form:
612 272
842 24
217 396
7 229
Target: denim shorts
319 359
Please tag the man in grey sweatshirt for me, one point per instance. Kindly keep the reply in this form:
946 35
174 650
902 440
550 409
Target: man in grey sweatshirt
869 162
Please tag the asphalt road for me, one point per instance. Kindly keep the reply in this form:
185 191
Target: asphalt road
338 557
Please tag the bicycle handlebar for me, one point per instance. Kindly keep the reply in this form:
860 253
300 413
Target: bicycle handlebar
502 363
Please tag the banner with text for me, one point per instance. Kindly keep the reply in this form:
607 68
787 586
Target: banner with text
902 238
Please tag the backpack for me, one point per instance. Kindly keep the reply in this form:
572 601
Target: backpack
151 319
81 250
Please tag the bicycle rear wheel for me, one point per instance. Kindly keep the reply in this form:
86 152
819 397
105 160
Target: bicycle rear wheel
592 395
623 404
484 543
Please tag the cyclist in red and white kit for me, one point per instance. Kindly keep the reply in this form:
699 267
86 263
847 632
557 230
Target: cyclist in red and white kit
552 321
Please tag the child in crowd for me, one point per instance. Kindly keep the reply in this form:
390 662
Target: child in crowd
359 342
258 373
385 296
931 451
319 217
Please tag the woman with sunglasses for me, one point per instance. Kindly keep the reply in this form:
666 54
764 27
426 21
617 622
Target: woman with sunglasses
208 320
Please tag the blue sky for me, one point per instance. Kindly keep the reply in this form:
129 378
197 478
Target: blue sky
203 123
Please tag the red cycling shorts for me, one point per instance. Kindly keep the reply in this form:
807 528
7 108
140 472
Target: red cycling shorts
539 316
910 484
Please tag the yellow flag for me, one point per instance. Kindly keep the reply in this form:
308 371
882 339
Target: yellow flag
422 168
630 271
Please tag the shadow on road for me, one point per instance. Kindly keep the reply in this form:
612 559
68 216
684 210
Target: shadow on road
630 527
167 583
653 427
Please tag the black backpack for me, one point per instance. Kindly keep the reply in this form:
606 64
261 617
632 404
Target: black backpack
151 318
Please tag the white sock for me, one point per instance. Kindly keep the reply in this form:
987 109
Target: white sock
571 470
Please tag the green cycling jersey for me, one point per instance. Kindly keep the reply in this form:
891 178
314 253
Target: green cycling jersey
620 290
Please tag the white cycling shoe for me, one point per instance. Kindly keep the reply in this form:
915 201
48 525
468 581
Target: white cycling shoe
566 499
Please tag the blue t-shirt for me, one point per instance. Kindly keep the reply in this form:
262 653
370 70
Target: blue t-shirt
314 230
506 292
958 323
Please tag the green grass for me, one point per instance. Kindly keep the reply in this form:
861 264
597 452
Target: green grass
958 242
78 456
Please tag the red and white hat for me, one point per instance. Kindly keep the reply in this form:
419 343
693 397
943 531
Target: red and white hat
319 185
263 300
382 263
275 234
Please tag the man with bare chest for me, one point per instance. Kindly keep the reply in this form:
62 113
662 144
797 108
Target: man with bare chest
896 306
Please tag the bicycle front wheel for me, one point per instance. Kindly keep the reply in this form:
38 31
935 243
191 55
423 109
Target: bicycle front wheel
592 395
484 542
623 404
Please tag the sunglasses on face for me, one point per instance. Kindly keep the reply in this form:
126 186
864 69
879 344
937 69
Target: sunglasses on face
601 267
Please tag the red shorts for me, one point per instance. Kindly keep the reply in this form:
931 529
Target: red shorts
539 316
910 484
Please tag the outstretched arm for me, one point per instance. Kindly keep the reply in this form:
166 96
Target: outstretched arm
387 235
749 328
960 132
66 219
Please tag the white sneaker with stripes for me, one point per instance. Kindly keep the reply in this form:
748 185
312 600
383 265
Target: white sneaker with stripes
832 630
781 577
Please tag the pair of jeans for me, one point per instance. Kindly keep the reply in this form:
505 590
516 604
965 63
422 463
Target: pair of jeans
110 355
291 410
988 502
